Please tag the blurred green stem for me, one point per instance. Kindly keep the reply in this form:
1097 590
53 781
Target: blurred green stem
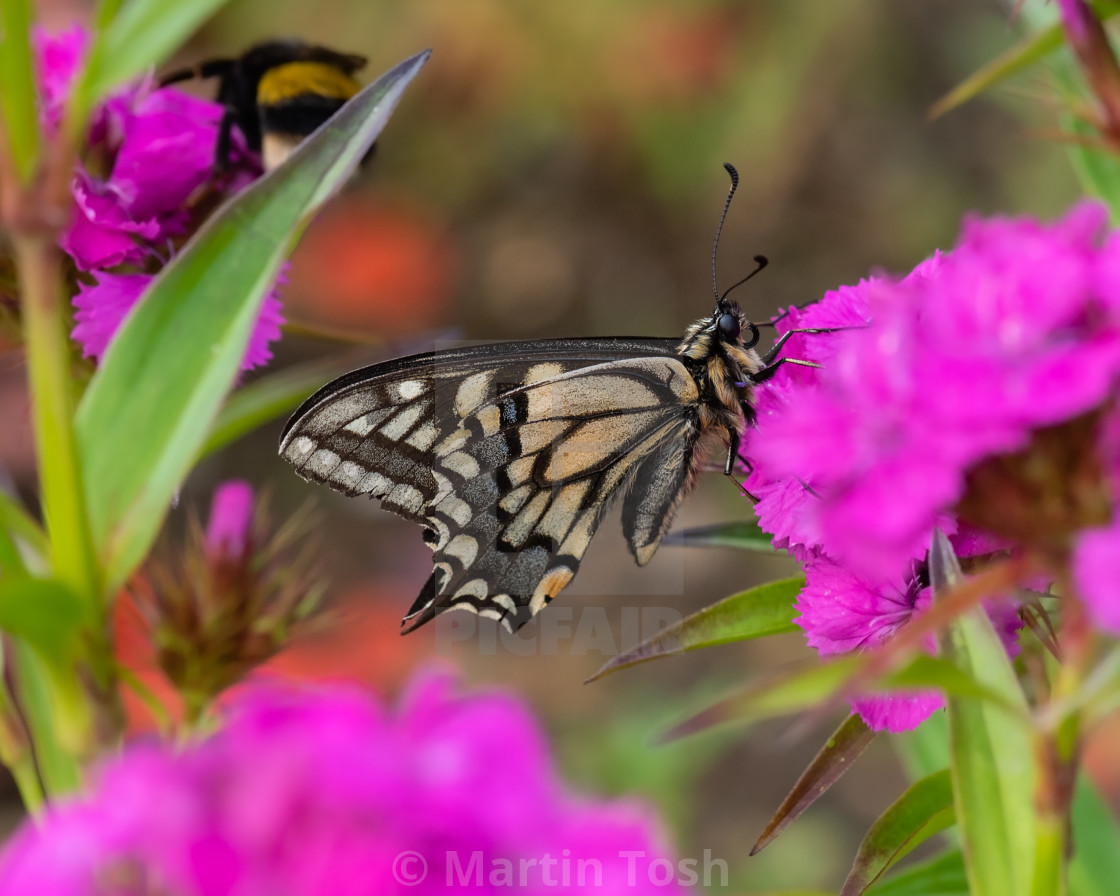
48 361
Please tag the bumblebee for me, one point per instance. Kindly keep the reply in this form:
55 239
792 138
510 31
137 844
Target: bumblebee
276 93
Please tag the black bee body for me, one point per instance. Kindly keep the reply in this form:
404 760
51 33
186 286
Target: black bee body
276 93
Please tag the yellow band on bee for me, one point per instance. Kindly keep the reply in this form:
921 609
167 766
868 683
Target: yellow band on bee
301 78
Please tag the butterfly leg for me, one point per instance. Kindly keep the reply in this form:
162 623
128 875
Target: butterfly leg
769 357
729 465
767 372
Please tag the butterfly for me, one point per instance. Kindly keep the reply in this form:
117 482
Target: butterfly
509 454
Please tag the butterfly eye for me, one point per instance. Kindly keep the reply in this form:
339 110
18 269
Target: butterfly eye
729 326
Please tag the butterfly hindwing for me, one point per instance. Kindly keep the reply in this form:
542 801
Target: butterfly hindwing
529 483
507 454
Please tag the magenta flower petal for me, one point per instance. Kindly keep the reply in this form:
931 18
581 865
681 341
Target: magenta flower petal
897 712
309 792
167 152
1096 575
102 233
267 328
841 613
102 308
57 59
231 514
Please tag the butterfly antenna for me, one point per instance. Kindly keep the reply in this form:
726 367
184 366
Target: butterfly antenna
726 205
760 261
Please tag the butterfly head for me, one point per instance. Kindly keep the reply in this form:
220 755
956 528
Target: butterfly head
726 332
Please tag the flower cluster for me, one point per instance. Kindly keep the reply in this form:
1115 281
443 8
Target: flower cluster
323 791
156 147
977 395
228 600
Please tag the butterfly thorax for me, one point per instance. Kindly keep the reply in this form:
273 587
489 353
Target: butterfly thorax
715 354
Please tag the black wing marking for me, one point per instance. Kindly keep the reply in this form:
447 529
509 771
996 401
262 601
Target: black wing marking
376 431
508 456
660 484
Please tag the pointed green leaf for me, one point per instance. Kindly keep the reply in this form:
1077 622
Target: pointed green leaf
943 875
149 407
1030 50
925 809
992 753
1095 867
806 689
18 523
754 613
132 38
17 88
744 534
834 758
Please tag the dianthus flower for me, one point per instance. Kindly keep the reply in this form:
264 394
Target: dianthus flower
158 147
977 395
323 791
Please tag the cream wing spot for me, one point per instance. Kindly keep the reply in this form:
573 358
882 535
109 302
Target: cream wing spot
423 437
402 422
463 548
302 446
472 392
407 497
323 462
410 389
474 588
461 463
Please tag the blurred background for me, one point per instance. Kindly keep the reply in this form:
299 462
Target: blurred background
556 171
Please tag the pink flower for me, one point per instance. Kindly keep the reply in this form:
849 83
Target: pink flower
57 60
231 514
843 613
101 308
1017 329
309 792
161 144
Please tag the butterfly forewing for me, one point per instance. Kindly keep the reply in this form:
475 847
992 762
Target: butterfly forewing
508 455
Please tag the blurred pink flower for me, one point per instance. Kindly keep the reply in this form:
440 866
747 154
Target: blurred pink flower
57 59
231 516
323 791
161 144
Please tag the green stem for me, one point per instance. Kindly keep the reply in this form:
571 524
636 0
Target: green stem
48 361
1049 857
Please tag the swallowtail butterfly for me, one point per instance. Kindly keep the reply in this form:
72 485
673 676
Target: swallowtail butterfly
509 454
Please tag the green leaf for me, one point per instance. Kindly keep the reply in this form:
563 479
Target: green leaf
1095 867
34 683
149 407
47 617
744 534
17 522
17 88
821 683
992 753
1026 53
132 37
922 811
43 612
1032 49
925 749
755 613
268 397
834 758
943 875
